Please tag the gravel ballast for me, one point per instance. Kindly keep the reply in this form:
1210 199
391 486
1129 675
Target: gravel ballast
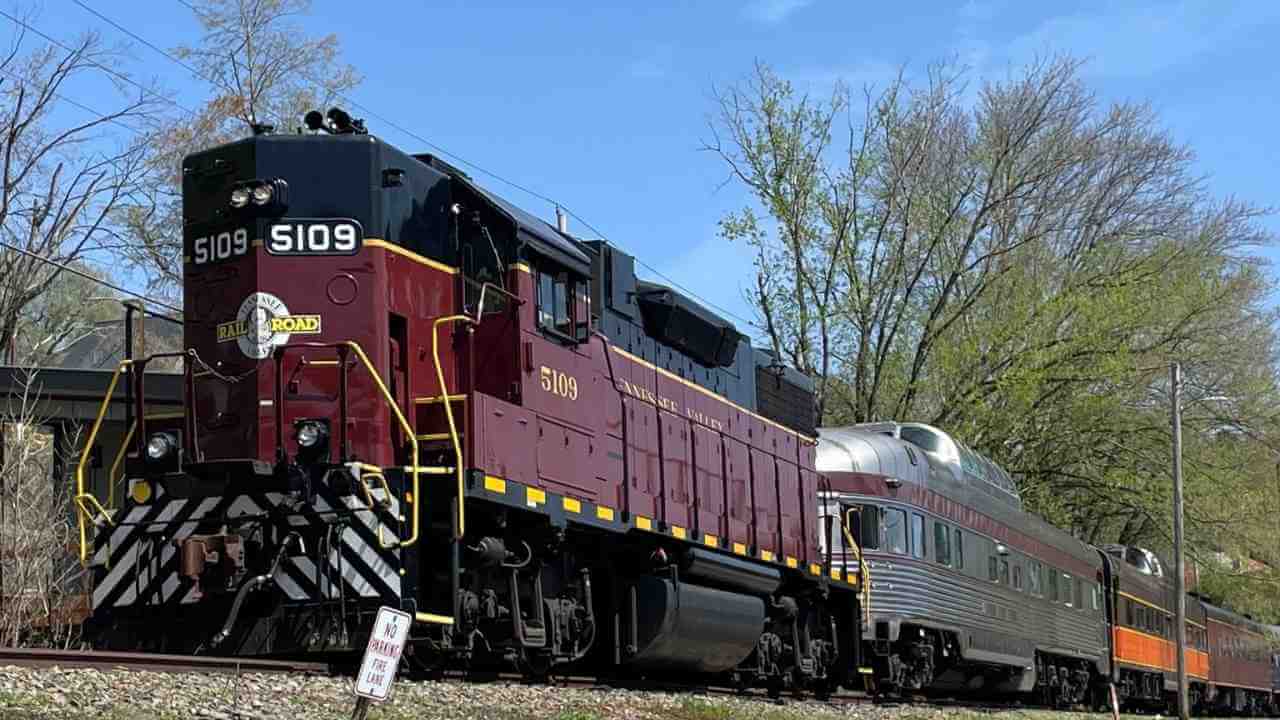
72 694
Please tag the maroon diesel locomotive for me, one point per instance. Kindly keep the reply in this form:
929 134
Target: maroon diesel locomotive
403 390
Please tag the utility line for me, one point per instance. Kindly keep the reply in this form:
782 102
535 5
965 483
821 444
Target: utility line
112 72
74 271
113 120
370 112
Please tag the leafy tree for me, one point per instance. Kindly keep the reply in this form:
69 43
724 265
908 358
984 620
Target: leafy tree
71 309
1018 269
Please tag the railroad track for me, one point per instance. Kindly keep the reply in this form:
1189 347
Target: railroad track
39 658
585 682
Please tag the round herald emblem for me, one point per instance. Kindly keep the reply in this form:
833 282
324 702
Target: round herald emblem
256 313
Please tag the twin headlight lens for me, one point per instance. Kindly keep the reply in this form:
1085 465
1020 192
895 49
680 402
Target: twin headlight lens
258 192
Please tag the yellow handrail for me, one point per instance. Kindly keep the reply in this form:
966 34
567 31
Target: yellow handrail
115 466
82 498
448 413
413 441
360 471
863 570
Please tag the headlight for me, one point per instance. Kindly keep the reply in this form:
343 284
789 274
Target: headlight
310 434
262 194
161 446
239 197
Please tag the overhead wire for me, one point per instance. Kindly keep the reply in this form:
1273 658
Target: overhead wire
105 283
370 112
65 266
110 71
71 101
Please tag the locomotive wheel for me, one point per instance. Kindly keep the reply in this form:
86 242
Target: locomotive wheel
822 690
535 666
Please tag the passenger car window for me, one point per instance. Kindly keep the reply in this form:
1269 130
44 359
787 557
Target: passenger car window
895 530
1033 577
1017 577
1053 586
851 522
941 543
870 527
921 438
917 535
959 549
831 533
993 573
1004 571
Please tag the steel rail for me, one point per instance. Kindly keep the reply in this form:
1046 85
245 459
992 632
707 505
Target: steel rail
43 658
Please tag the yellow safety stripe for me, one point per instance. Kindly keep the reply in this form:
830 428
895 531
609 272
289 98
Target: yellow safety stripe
410 255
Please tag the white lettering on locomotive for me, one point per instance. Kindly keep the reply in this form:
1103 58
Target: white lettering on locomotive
219 246
314 238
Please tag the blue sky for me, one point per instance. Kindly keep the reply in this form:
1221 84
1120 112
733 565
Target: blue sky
603 105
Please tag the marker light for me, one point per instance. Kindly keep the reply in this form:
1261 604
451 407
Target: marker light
239 197
310 434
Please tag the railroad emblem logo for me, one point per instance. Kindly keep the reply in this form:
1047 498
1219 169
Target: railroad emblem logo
263 322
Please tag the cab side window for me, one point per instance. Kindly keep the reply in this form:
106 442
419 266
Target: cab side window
553 301
562 310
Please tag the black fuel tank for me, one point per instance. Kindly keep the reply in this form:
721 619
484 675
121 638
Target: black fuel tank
730 573
689 628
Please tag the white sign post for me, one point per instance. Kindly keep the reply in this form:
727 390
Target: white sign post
381 658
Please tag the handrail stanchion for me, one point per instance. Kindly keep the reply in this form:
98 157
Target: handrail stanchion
448 413
344 445
85 516
277 405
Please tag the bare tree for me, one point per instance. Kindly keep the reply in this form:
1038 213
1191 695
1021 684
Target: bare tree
43 587
263 69
64 169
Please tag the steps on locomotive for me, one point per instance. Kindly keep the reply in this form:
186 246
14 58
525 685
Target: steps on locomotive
432 424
